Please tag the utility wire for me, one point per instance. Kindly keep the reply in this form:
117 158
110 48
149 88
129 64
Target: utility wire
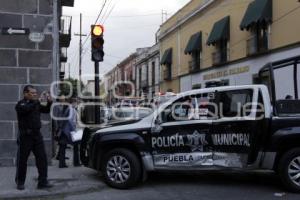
111 10
103 19
209 57
226 5
100 12
103 6
85 49
242 40
105 11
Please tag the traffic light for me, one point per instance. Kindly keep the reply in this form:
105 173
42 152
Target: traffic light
97 43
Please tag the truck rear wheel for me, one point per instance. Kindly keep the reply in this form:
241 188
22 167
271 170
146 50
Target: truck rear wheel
121 169
289 170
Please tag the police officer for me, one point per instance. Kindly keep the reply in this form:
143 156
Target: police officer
30 138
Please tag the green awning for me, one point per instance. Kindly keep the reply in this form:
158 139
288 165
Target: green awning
167 57
194 44
259 11
220 31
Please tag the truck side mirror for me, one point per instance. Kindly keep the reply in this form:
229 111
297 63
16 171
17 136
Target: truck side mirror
157 125
158 121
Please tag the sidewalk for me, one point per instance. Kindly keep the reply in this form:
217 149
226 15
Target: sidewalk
65 181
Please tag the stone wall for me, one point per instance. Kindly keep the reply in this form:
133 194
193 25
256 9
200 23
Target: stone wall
23 62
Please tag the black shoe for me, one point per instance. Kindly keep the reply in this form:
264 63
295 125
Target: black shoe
77 165
57 158
63 166
44 186
20 187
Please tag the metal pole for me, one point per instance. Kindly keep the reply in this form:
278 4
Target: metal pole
273 89
80 48
296 80
97 93
69 70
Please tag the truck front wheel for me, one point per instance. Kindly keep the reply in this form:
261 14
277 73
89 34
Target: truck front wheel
121 168
289 170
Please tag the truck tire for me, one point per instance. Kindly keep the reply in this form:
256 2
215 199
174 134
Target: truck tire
121 168
289 170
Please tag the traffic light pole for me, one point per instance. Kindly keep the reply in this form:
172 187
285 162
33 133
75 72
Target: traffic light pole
97 54
97 93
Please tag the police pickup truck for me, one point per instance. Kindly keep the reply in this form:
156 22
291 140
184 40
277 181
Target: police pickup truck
231 127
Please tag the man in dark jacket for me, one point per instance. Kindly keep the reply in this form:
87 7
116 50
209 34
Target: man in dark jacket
30 137
64 137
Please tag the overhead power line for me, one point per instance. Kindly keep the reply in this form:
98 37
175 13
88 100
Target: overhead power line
111 10
89 35
101 10
105 11
129 16
103 19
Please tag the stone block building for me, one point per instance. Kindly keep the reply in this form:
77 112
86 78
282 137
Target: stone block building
32 58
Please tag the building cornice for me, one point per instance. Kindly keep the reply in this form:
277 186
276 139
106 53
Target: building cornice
185 19
147 58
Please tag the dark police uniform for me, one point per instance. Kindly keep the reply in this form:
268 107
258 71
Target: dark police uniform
31 139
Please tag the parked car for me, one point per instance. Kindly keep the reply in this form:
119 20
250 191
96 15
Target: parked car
129 113
129 102
163 97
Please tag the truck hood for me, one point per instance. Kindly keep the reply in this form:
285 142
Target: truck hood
127 125
121 122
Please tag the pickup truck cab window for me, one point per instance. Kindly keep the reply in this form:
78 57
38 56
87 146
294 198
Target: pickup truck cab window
235 103
195 107
288 107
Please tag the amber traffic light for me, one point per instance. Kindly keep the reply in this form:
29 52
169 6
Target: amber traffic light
98 30
97 43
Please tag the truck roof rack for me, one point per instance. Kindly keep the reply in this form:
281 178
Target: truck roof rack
272 66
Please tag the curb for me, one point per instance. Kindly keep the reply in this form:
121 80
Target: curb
54 193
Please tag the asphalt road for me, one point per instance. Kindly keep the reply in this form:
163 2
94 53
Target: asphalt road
204 185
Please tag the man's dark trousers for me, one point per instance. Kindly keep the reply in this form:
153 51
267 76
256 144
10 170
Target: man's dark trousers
31 143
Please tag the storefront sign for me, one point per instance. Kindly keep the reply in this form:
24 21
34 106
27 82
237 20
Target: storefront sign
227 72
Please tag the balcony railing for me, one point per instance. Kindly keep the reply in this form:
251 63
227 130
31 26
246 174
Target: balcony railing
251 46
220 57
194 65
61 75
68 3
65 31
63 54
62 67
62 71
167 75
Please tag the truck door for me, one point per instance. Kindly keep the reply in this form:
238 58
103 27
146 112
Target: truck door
183 139
234 133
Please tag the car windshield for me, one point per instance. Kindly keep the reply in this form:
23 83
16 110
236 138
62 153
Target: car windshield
164 98
130 113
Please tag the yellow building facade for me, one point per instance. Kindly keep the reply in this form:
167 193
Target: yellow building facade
235 39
